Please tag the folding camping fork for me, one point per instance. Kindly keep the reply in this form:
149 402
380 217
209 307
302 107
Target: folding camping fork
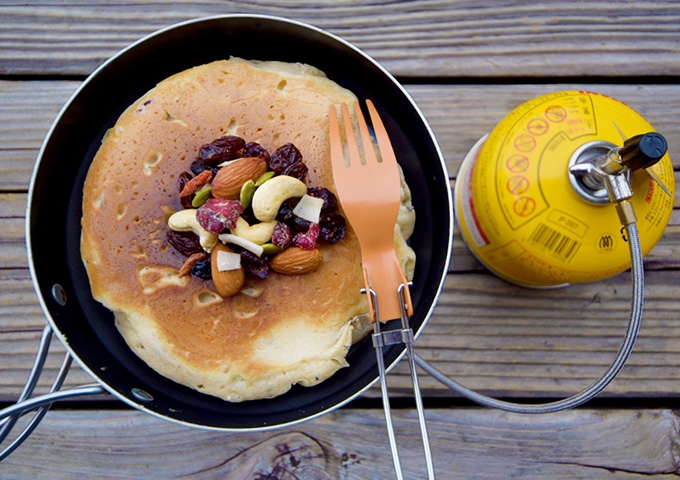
369 190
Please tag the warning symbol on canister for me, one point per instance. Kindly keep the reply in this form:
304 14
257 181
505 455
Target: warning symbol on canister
517 163
537 126
556 113
518 184
524 206
525 143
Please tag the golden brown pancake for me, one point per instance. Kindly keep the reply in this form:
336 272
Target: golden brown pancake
285 330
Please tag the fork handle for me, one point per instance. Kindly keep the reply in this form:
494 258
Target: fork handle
383 275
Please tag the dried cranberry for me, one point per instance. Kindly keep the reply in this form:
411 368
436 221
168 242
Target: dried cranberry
330 201
257 266
202 269
218 213
332 228
222 149
186 243
297 170
254 149
281 235
283 157
307 240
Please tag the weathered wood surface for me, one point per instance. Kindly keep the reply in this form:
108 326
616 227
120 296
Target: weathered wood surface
467 444
466 64
425 38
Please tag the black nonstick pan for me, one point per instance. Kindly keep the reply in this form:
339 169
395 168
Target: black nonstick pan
87 329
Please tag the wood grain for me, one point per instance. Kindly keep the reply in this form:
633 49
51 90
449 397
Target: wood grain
466 64
458 114
424 38
467 443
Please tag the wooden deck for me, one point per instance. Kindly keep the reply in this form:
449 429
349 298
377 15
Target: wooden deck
466 64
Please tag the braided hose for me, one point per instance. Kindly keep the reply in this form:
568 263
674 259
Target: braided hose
638 286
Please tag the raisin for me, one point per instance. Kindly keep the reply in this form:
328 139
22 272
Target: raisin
202 269
254 265
298 224
186 202
254 149
283 157
182 180
199 166
330 201
222 149
186 243
332 228
297 170
285 213
249 216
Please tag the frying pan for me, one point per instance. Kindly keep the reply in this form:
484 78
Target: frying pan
87 329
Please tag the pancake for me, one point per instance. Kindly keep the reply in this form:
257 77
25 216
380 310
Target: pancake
274 333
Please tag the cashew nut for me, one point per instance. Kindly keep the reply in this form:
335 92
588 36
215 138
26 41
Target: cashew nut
272 193
259 233
185 221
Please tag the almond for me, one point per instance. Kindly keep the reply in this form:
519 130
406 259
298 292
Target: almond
230 178
229 282
296 260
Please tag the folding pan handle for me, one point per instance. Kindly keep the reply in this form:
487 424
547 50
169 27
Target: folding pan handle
10 415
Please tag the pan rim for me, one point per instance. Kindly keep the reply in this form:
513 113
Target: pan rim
59 118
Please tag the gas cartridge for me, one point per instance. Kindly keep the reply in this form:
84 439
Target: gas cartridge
538 199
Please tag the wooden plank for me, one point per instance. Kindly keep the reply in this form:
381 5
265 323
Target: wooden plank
421 39
27 110
458 114
579 444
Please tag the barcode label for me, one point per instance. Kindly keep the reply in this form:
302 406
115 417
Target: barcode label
555 242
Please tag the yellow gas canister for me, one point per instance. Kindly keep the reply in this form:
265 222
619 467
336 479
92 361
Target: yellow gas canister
529 220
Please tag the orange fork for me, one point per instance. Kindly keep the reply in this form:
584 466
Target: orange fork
369 191
370 194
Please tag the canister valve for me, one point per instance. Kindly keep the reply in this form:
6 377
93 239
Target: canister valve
596 168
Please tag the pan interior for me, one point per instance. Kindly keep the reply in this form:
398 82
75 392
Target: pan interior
87 328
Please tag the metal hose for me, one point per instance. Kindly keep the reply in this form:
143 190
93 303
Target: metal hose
638 286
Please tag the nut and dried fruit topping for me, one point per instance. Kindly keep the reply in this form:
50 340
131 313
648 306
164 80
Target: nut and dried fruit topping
255 202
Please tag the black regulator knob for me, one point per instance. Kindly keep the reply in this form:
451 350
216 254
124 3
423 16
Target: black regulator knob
643 151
